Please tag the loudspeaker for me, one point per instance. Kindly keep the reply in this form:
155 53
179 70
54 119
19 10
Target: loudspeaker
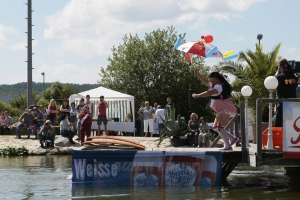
191 99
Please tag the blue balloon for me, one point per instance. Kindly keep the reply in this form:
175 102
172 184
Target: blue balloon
178 42
230 57
213 50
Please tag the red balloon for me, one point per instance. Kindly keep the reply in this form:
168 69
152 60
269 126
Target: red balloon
207 38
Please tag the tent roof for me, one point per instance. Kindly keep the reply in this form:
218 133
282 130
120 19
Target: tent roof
107 93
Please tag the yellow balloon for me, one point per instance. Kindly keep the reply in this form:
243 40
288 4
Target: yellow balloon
228 53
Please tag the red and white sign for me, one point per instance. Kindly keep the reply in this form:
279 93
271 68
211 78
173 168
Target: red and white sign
291 130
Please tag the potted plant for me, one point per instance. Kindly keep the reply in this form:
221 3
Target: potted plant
258 66
173 129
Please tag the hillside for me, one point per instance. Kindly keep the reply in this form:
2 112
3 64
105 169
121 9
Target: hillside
39 87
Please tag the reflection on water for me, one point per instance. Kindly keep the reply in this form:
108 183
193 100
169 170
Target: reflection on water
44 177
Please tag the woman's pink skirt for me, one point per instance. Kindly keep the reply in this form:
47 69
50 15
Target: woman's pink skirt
224 106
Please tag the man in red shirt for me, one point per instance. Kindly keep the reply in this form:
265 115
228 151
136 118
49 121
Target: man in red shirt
102 105
86 123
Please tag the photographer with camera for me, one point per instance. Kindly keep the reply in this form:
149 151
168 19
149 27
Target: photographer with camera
47 133
287 86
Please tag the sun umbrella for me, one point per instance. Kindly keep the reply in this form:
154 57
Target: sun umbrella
203 49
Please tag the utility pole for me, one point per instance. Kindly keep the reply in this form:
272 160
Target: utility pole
29 54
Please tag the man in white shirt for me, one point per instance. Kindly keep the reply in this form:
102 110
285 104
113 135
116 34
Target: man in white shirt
160 114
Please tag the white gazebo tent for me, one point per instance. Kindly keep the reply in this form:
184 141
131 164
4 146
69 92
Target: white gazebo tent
119 104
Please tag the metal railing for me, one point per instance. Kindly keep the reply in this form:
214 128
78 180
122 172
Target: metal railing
259 130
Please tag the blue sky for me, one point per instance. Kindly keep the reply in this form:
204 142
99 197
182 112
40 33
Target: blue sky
73 38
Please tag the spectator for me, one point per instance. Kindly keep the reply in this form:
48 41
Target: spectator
155 122
33 105
3 123
141 119
9 122
86 123
38 121
25 121
79 110
66 128
193 126
44 112
160 116
52 109
73 117
89 104
102 105
169 105
47 133
203 140
146 113
65 108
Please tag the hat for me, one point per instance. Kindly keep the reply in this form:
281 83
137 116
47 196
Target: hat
101 96
47 121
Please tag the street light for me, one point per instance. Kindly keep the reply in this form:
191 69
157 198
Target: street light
271 84
43 73
246 92
259 37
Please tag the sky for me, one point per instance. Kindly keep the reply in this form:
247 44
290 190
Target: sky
74 38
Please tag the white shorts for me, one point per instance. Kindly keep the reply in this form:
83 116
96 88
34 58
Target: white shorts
148 122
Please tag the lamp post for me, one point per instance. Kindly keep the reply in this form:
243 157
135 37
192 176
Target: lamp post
271 84
43 73
246 92
259 37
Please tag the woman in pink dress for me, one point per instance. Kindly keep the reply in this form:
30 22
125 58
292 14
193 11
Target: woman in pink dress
219 91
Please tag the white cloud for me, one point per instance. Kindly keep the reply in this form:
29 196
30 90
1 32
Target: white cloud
4 30
90 28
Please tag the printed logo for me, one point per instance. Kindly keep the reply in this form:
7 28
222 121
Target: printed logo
145 179
297 129
180 174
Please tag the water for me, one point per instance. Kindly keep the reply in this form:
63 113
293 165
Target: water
45 177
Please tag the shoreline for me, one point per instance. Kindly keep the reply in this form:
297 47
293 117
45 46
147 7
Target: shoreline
34 148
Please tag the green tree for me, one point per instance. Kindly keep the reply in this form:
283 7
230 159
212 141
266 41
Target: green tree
150 69
258 66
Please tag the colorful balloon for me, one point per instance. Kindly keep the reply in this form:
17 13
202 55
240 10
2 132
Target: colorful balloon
207 38
228 53
213 50
178 42
230 57
188 57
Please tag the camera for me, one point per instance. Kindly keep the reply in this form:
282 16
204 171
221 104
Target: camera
294 67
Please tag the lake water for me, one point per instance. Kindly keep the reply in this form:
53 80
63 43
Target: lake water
45 177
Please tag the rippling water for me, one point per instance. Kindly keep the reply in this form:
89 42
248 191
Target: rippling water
45 177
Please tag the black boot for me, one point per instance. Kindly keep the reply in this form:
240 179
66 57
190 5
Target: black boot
71 141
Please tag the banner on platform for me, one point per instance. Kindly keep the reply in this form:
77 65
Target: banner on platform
146 168
291 130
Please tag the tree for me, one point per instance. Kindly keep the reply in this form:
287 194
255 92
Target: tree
150 69
58 91
259 65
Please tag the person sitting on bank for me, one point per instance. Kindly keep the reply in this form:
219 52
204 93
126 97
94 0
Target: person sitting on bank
3 123
25 121
9 121
193 127
66 128
203 140
47 133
